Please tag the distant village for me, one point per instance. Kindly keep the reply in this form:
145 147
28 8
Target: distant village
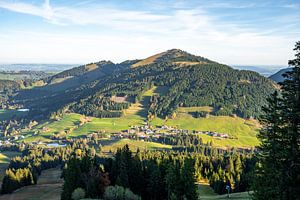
143 132
146 131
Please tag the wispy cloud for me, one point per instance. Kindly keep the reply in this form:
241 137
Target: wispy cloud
93 15
120 33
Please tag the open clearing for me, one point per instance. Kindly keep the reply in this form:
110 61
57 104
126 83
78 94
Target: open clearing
206 193
109 146
49 187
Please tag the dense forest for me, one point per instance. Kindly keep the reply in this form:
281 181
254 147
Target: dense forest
157 175
7 89
84 167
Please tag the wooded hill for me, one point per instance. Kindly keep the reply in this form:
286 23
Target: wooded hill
104 89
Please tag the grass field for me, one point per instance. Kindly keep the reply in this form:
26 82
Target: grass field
243 130
112 145
194 109
206 193
49 187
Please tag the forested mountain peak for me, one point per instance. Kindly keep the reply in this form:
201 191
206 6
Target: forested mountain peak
186 79
175 56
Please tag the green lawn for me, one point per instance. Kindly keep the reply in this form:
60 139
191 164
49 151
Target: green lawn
206 193
108 125
194 109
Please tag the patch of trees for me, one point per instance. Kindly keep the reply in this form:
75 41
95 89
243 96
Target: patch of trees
23 171
199 114
127 172
213 85
7 89
99 106
82 171
152 177
15 125
26 169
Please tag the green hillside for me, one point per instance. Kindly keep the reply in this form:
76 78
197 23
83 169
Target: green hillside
243 131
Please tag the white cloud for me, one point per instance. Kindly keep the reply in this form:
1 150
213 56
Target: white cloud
133 34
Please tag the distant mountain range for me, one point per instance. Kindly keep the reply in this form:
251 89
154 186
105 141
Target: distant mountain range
277 77
55 68
183 79
266 70
36 67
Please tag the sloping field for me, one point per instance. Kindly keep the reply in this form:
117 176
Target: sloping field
113 145
242 131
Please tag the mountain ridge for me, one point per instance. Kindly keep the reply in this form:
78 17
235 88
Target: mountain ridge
189 81
278 76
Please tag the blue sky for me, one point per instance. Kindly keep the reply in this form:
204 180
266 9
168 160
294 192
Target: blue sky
242 32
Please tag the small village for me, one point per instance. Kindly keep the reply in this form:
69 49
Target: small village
142 132
146 131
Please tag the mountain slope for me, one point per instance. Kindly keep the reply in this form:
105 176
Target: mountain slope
106 89
277 77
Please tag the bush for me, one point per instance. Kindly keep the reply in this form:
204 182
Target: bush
119 193
78 194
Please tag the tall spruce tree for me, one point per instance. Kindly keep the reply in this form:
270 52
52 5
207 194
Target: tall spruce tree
278 171
291 118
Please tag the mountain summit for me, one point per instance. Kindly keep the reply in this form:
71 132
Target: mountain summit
176 56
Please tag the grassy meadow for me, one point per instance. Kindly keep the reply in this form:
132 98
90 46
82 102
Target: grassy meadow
206 193
243 131
112 145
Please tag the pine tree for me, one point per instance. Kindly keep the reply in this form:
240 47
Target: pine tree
188 180
291 118
278 171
